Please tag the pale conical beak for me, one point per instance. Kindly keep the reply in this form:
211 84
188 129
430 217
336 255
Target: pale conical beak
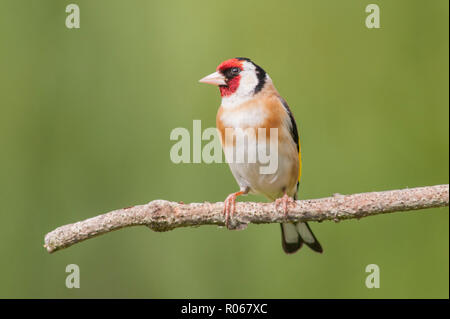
215 79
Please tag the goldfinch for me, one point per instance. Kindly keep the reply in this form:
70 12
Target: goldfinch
250 100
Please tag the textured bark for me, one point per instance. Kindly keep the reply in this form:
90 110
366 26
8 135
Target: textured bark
161 215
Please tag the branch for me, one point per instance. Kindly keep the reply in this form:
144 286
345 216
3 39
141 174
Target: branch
161 215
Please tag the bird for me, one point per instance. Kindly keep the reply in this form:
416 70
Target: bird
251 101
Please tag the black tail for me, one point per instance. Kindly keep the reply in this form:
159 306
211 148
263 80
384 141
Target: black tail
294 235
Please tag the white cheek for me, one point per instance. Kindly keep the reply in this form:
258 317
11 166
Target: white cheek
247 84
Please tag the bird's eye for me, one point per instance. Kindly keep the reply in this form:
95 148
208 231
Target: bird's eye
235 71
231 72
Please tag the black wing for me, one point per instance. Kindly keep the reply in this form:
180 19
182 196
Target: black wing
294 131
294 134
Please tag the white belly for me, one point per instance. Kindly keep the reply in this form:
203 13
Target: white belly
271 176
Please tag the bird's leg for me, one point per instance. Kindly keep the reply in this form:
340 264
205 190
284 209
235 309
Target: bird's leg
229 205
285 201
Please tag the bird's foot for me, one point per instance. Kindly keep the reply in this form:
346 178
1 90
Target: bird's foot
285 201
229 206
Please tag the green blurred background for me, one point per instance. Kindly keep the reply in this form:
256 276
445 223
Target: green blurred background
85 118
